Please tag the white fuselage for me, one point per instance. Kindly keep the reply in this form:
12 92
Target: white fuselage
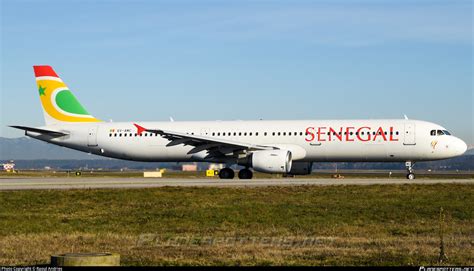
308 140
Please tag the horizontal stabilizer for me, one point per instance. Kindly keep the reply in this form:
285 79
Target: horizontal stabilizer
41 131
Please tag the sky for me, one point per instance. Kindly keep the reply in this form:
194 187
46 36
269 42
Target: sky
228 60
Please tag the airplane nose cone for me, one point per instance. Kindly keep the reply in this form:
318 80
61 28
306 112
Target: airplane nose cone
461 147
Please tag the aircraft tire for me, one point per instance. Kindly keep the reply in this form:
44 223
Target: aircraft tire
226 173
245 174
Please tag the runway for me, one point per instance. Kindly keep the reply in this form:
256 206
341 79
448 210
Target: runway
96 183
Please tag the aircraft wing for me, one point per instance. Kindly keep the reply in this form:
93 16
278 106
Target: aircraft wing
41 131
214 146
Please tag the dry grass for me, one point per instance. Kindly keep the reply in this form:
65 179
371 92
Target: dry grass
17 249
350 225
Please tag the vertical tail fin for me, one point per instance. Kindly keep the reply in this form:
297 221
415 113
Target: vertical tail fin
59 104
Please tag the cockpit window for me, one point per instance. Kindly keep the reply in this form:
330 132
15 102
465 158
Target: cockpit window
439 132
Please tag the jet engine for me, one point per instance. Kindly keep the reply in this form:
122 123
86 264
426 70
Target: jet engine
301 168
271 161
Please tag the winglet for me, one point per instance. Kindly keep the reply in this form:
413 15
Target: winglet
140 129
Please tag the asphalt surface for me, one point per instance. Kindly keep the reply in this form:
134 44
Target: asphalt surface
91 183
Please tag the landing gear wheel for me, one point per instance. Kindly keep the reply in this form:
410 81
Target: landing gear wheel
409 167
245 174
410 176
226 173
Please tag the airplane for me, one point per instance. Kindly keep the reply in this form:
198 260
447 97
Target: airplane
284 147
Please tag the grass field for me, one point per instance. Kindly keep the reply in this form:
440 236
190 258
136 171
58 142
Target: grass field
319 225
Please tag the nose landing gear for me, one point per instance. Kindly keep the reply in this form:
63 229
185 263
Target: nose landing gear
411 174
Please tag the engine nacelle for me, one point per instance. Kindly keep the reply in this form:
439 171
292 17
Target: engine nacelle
271 161
301 168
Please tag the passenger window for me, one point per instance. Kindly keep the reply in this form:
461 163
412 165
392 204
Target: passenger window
240 134
256 133
265 134
279 133
301 133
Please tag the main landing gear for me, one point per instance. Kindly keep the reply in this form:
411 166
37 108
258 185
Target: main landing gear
245 174
228 173
411 174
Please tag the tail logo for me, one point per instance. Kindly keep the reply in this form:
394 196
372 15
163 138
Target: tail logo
57 100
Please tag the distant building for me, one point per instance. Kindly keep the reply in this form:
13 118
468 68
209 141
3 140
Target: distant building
189 167
9 167
216 166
